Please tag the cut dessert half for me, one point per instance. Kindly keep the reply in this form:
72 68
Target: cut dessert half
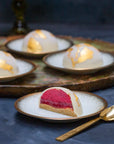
61 100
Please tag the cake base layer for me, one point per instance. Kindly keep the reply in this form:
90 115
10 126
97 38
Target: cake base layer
65 111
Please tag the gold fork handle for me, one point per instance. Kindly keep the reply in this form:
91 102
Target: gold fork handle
77 130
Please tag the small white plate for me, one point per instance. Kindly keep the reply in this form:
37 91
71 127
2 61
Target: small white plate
29 105
15 46
56 61
25 67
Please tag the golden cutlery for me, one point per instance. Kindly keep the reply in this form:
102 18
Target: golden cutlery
106 115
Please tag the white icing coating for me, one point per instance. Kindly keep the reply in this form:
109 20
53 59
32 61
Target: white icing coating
45 40
82 56
8 64
75 103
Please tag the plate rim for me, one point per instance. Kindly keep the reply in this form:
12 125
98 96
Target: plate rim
33 54
60 119
44 59
34 67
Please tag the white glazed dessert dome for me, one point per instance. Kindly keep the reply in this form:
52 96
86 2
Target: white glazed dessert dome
8 65
39 41
82 56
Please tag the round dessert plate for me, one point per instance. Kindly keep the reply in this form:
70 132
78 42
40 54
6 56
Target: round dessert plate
56 61
29 105
15 46
25 67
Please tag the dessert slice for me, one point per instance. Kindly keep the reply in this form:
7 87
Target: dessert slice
61 100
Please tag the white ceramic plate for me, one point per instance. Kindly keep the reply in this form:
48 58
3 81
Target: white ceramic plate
25 67
56 61
15 46
29 105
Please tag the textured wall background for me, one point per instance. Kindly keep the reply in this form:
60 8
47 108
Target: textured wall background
63 11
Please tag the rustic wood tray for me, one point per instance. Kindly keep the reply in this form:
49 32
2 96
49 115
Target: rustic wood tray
45 77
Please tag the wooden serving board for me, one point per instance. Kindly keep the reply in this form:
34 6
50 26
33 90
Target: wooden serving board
45 77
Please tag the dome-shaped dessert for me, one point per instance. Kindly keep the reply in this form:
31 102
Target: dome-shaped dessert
39 41
82 56
61 100
8 65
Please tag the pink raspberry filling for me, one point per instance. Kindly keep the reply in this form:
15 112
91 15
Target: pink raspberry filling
56 98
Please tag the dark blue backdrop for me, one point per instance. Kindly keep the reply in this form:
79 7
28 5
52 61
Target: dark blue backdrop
63 11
